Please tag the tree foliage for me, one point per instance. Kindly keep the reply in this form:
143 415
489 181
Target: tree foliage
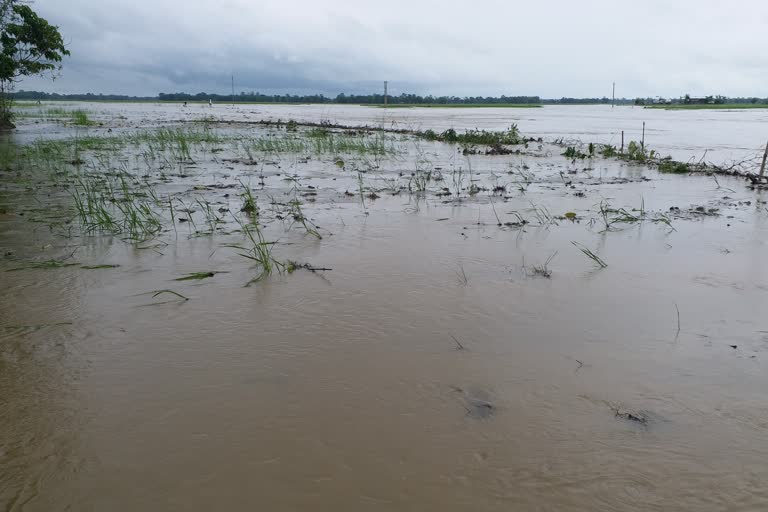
29 45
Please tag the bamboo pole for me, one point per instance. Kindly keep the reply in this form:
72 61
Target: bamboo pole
765 157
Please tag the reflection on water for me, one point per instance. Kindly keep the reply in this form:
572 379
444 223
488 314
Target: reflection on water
347 390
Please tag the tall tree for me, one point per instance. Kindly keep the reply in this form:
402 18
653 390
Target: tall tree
29 46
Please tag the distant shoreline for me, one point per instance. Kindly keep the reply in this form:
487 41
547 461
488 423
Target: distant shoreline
457 105
724 106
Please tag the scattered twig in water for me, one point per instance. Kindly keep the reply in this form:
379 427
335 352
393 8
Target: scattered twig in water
498 220
458 343
628 415
462 276
292 266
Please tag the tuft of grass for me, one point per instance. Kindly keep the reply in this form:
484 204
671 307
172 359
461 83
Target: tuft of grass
80 117
249 201
120 205
259 251
541 270
591 255
298 217
668 165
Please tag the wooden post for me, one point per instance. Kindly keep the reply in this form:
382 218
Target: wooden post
233 89
765 157
385 92
642 141
622 141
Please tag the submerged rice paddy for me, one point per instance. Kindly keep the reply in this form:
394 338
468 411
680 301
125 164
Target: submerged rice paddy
227 311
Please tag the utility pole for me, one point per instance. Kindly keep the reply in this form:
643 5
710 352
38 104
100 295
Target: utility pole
233 89
385 92
613 100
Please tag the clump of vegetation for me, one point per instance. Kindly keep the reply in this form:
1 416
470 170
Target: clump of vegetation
572 153
318 132
80 118
636 152
608 151
258 250
668 165
120 205
321 143
249 202
508 137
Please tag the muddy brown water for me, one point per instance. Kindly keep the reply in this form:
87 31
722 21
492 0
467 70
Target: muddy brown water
345 390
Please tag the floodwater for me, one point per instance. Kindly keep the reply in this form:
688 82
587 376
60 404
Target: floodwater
639 386
719 136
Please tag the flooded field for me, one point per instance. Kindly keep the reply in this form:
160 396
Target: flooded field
200 311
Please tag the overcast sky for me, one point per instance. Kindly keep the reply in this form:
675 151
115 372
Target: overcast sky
550 48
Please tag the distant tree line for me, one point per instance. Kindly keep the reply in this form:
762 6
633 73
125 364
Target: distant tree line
36 95
586 101
256 97
703 100
375 99
414 99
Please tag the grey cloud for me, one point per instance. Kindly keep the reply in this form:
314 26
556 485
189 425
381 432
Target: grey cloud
550 47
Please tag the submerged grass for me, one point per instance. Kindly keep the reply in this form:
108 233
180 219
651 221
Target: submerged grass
197 276
120 205
258 250
321 141
591 255
43 265
80 117
157 293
